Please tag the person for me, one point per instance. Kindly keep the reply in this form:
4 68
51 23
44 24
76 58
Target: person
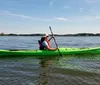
45 43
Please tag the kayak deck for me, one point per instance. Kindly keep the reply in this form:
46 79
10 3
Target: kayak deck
63 51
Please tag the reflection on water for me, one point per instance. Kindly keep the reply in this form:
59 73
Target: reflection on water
69 71
44 76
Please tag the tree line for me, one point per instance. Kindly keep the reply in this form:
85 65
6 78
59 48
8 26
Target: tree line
39 34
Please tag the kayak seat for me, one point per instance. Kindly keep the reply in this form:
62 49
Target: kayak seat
40 45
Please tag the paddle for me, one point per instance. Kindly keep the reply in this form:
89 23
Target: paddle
55 41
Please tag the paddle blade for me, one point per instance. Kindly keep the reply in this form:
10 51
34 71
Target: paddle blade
50 29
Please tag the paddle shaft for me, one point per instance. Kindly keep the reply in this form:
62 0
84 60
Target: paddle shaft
55 41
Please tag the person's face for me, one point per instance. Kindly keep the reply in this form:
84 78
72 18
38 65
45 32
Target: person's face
46 38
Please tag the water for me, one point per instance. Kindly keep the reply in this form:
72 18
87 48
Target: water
69 70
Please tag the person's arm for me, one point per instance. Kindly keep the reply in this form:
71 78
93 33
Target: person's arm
51 48
47 46
51 38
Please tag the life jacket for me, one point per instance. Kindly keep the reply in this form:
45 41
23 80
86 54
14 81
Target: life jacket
41 47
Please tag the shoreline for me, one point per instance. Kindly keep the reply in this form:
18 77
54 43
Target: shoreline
78 34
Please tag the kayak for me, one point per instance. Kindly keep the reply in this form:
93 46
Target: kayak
63 51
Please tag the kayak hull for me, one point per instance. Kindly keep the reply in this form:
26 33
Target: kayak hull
63 51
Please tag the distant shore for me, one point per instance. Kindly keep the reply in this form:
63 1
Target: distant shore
78 34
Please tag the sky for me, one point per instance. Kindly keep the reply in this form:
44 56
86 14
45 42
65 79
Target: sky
64 16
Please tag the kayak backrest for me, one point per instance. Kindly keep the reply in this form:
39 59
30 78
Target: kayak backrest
41 47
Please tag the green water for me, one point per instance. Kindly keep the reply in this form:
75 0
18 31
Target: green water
69 70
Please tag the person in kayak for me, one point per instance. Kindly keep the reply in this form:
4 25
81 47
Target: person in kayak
45 43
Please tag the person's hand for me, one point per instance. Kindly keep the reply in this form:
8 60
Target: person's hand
57 48
52 36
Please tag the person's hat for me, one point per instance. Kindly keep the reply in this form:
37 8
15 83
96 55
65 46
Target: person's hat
46 35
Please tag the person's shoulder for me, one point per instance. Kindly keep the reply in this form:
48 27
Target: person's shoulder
44 41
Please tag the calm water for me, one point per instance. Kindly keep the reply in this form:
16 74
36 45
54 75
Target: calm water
69 70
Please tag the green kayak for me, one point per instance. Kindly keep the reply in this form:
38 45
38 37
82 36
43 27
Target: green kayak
63 51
